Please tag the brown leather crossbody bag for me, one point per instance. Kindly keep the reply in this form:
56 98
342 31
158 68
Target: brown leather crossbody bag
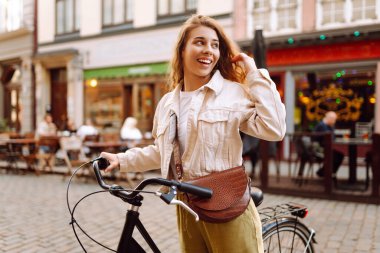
231 191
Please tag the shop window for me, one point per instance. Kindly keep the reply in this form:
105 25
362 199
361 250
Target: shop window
144 111
67 16
117 12
11 15
348 92
103 104
11 79
176 7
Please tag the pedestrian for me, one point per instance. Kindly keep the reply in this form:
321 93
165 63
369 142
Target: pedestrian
215 92
327 124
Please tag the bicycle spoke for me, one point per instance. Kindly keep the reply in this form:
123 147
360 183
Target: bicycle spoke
287 238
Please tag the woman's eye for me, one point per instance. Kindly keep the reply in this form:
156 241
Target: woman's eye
216 45
199 42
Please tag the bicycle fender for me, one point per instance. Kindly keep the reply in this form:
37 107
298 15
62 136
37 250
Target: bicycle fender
276 222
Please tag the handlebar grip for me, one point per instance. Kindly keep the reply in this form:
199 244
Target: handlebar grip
102 163
196 190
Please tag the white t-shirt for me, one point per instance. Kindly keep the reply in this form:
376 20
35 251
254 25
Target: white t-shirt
185 98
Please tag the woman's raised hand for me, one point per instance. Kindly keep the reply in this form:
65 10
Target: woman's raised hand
247 62
112 159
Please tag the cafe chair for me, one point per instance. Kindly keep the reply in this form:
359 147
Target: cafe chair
72 153
363 130
307 154
8 153
272 156
368 165
90 138
48 147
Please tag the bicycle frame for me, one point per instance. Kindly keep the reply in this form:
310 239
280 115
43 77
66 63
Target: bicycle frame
127 243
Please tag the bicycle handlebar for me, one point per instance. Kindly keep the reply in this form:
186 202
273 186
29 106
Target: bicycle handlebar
101 163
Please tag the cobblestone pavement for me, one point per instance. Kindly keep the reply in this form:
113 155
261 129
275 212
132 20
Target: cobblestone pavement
34 218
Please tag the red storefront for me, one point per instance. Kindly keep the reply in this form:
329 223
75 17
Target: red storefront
338 76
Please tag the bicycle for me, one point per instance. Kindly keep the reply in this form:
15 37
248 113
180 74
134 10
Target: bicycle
279 223
282 230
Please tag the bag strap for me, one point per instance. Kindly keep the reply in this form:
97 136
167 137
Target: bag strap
176 163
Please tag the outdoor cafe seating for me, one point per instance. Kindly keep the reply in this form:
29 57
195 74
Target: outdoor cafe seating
72 152
308 156
36 154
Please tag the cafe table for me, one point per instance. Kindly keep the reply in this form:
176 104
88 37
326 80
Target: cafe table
352 145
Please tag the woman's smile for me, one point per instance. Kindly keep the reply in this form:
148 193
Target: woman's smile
200 55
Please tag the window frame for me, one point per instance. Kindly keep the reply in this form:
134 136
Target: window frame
10 26
126 21
364 9
272 12
348 16
289 7
187 11
74 18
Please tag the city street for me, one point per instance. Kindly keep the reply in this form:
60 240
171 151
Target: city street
34 218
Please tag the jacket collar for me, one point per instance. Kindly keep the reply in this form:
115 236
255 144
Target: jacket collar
215 84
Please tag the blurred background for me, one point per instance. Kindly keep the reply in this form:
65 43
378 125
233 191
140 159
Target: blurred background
108 59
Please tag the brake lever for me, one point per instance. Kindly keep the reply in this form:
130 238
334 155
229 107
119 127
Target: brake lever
169 198
186 207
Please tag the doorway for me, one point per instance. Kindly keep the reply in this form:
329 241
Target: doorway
58 96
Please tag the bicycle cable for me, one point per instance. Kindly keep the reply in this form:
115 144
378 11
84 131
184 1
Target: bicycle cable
73 221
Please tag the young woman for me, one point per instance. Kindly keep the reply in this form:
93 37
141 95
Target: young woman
216 91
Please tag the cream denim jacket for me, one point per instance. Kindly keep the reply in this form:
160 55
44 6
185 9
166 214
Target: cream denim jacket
217 112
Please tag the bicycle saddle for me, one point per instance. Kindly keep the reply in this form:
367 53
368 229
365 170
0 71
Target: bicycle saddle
257 196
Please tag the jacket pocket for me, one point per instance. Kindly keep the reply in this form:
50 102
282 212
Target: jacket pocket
213 126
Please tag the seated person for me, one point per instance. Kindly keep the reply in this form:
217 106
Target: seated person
87 129
327 125
129 132
47 127
69 127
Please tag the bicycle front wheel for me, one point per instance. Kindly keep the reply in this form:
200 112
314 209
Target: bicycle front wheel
287 235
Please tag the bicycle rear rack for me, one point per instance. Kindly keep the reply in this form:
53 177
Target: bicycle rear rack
273 212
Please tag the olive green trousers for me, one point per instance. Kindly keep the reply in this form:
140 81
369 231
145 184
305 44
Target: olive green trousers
241 235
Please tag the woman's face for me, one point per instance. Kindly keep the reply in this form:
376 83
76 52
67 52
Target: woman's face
201 52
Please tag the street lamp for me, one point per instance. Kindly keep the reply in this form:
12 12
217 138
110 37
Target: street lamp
259 49
259 54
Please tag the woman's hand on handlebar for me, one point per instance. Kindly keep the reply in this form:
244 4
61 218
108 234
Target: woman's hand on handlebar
112 159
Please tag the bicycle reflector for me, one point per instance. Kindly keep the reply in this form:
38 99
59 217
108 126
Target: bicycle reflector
301 213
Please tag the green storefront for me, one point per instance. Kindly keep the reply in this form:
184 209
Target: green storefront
112 94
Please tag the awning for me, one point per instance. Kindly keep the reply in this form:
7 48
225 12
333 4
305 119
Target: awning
128 71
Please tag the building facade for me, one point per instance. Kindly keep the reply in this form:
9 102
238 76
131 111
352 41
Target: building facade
109 58
326 53
16 67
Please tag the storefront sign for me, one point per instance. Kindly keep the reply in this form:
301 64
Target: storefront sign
127 71
339 52
342 101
